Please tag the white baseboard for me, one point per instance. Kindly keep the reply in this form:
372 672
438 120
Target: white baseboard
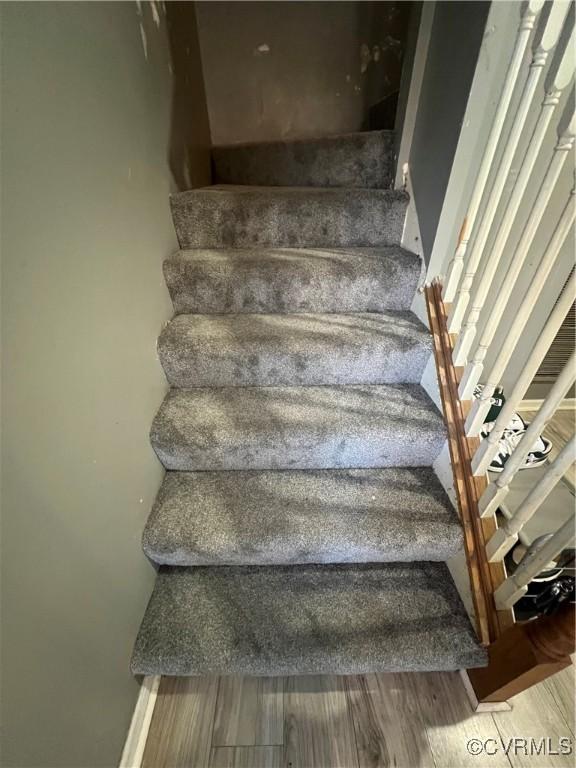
568 404
140 724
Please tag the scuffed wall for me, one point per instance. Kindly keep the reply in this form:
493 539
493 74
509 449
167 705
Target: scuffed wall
94 137
277 70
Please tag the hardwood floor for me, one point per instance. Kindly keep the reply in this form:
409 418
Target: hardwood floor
368 721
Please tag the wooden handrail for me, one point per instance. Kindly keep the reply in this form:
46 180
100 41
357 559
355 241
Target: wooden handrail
485 577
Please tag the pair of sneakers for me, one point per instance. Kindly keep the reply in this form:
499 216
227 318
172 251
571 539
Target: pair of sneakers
512 435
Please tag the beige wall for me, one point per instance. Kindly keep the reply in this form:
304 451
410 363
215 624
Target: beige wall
90 132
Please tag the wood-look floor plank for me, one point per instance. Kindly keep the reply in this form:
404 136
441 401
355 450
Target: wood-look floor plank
373 720
534 715
181 728
390 729
249 711
246 757
561 687
450 723
318 728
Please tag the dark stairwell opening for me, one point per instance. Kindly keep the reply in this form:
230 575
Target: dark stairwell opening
291 70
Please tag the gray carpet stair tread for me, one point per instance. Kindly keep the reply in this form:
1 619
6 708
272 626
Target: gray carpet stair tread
348 160
300 349
295 516
292 280
307 619
326 427
247 217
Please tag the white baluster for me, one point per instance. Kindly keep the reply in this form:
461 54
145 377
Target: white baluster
549 39
507 535
465 340
474 369
481 406
516 585
489 446
455 269
496 492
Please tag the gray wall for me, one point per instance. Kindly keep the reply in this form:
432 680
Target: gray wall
455 41
277 70
89 135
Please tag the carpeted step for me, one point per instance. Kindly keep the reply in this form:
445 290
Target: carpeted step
349 160
297 427
305 619
296 516
275 350
248 217
292 280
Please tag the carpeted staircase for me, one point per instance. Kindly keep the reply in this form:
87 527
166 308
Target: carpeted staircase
300 527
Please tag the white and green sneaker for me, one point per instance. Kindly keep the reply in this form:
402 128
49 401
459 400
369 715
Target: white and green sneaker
507 444
514 432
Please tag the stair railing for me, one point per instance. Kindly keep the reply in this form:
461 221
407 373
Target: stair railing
472 303
507 534
453 280
497 491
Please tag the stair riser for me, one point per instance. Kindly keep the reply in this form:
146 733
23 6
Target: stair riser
223 219
324 664
281 551
299 349
357 160
297 451
317 284
297 427
256 364
326 516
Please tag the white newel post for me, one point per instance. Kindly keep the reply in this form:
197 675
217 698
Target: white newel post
456 266
549 39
